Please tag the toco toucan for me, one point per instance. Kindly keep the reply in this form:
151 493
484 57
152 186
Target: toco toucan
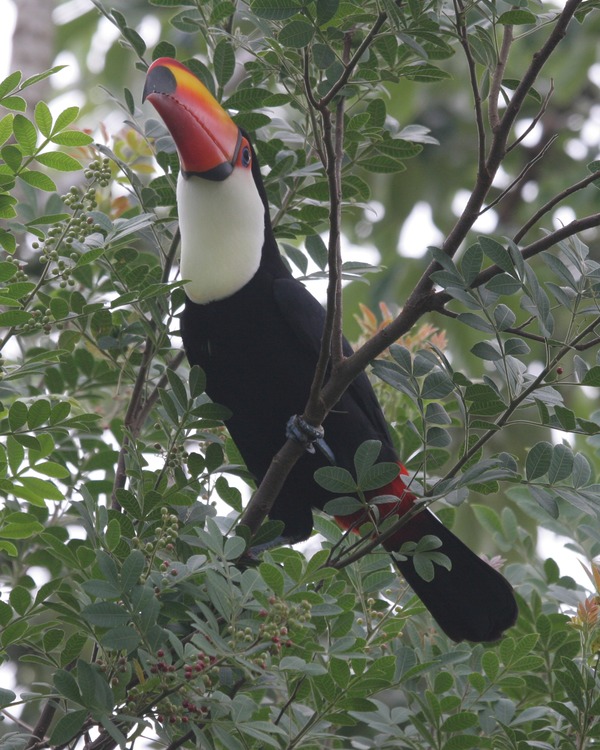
256 332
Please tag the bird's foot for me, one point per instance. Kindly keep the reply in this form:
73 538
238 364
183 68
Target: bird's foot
309 436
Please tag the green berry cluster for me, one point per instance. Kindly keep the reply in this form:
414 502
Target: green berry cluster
79 226
41 318
166 536
198 674
113 667
176 457
99 171
279 620
20 274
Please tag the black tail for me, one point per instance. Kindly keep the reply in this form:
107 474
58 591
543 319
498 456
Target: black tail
470 602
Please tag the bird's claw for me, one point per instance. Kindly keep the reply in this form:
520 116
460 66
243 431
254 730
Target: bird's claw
309 436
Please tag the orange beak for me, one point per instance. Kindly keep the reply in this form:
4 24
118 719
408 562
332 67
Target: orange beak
207 139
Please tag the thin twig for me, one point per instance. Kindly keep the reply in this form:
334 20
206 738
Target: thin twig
496 82
531 388
464 41
534 122
353 62
520 176
553 202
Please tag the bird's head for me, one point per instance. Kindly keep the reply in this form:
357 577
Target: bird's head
223 210
209 143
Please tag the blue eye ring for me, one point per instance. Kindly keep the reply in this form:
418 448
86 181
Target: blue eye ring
245 157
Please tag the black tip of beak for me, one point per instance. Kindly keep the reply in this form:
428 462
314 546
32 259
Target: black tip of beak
160 80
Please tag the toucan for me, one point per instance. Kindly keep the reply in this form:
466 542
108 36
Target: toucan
256 331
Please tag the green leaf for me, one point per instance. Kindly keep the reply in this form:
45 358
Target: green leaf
459 722
105 614
503 284
6 697
377 477
273 577
11 318
41 76
38 413
425 73
335 479
121 638
72 138
66 685
17 415
326 10
488 518
10 83
475 321
516 17
485 400
296 34
178 388
68 726
132 569
497 253
6 127
366 455
471 262
436 385
592 377
20 599
343 506
52 469
275 10
486 350
538 460
58 160
38 180
42 488
25 134
223 61
490 664
43 118
113 534
317 250
561 463
14 102
504 317
65 118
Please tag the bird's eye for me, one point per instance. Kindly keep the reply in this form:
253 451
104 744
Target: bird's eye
245 156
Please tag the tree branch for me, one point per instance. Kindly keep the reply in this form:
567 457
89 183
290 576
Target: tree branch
553 202
496 83
464 41
422 299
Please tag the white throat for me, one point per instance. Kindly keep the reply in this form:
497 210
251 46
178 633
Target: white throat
222 234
